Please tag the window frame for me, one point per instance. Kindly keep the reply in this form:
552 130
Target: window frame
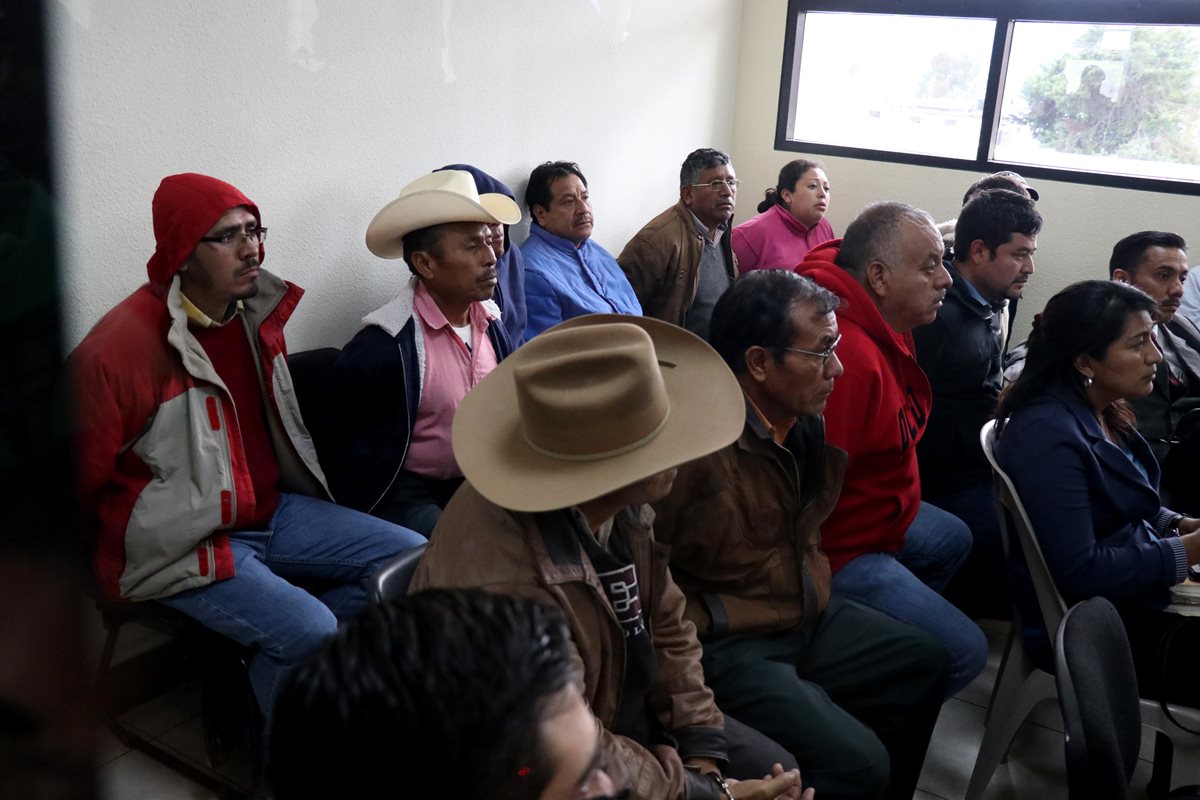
1005 13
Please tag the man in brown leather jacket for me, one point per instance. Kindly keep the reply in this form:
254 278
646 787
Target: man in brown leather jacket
563 446
681 261
850 692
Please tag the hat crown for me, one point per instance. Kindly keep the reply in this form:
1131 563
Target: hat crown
454 181
590 393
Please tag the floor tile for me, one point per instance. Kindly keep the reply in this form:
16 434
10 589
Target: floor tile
137 776
1035 768
108 746
188 741
160 714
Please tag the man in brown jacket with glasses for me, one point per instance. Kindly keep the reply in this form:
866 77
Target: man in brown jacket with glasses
852 693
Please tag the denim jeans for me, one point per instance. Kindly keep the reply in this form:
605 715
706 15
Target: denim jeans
980 587
906 586
306 540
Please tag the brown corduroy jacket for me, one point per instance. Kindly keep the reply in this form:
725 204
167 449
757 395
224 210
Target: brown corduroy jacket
743 525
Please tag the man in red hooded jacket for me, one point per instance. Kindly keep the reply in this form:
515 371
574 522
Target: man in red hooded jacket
888 549
198 477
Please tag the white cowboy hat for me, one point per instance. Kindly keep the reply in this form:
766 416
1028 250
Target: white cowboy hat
434 199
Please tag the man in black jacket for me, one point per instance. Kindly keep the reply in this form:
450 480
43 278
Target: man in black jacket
1157 263
962 353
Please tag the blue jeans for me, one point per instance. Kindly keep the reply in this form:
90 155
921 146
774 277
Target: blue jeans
906 586
306 539
980 587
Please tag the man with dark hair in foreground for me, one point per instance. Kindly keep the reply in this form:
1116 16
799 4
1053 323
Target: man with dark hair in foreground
442 694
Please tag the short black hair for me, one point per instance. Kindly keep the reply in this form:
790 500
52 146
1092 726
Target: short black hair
427 239
445 683
1128 253
1085 318
699 160
756 310
992 217
537 192
993 182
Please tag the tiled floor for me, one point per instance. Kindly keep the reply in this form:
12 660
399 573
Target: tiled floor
1034 770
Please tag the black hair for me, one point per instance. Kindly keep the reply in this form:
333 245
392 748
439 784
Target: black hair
449 684
992 217
994 182
756 310
1083 319
537 192
428 239
789 176
699 160
875 235
1127 254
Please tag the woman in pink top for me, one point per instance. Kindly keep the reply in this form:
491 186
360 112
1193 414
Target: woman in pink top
791 220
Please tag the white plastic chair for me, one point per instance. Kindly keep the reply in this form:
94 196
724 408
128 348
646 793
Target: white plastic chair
1020 685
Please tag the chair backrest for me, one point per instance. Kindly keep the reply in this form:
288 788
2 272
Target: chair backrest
392 580
1050 602
309 369
1098 695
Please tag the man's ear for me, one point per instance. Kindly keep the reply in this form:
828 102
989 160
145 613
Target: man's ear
978 253
877 278
423 263
756 362
539 214
687 195
1121 276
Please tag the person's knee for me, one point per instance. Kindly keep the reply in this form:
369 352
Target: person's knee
304 631
855 766
968 656
928 665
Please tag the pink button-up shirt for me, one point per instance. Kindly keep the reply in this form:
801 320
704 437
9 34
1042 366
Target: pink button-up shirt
450 372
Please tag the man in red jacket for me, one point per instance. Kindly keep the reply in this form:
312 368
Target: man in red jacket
198 477
888 549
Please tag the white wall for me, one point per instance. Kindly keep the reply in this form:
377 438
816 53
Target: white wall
320 111
1082 223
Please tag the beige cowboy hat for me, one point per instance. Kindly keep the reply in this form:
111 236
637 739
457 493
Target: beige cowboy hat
594 404
433 199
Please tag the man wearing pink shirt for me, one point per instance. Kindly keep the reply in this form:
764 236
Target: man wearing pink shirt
395 386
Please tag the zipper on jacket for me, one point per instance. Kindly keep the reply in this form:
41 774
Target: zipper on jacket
408 412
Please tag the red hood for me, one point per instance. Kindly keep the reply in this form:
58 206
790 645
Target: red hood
857 306
184 208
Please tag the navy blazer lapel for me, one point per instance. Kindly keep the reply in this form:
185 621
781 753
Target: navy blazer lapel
1111 456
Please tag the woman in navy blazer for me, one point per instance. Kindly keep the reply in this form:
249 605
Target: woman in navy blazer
1089 481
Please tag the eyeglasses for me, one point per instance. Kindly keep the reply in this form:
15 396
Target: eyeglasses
253 235
717 186
821 354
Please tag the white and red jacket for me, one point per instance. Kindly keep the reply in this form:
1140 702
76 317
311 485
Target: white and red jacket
162 470
161 466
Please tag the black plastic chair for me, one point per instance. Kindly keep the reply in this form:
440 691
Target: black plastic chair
1098 695
392 580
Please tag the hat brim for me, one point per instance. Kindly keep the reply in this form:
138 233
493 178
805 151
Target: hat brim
707 412
422 209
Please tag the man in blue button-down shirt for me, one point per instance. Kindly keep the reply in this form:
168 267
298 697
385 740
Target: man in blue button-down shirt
566 273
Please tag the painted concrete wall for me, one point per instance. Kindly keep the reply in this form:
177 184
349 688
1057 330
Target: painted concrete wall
1082 223
320 111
